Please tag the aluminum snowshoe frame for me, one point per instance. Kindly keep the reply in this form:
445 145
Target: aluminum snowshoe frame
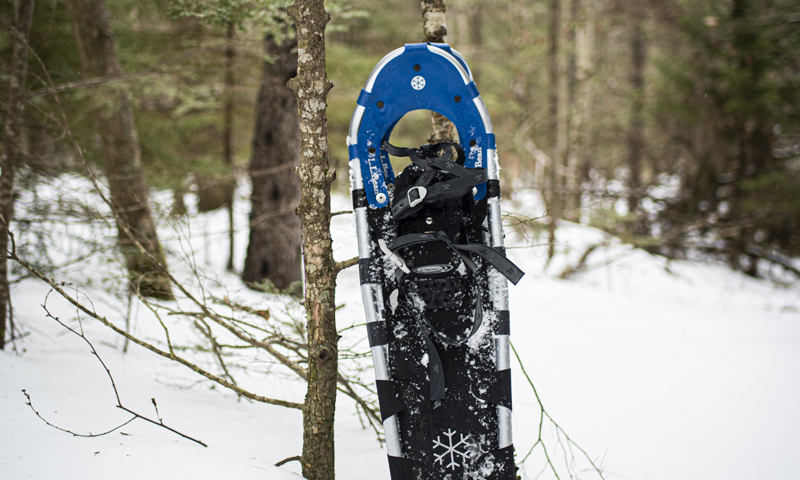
424 76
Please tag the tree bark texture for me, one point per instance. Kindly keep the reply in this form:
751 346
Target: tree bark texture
552 195
311 87
434 28
566 99
274 249
23 15
122 158
636 128
227 136
581 120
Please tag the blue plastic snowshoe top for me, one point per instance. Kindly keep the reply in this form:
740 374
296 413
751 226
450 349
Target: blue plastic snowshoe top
421 76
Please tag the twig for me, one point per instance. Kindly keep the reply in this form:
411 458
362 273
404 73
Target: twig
29 403
155 405
203 327
345 264
559 431
136 415
152 70
287 460
221 381
581 265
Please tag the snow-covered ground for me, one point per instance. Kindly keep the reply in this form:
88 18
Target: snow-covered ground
657 370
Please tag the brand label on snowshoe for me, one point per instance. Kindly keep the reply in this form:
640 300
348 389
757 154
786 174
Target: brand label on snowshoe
433 269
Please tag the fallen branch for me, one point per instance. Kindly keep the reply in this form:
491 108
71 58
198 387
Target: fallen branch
581 265
136 415
58 288
559 431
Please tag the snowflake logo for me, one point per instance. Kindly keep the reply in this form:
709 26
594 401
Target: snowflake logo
418 83
451 449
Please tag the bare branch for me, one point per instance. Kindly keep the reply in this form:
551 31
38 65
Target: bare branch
559 431
339 266
221 381
136 415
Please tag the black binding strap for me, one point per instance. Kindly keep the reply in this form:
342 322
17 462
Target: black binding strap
422 191
495 258
492 256
435 367
427 151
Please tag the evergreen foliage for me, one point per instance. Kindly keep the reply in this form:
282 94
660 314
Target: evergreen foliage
726 102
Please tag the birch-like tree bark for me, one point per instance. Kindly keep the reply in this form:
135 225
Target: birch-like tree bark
122 158
23 16
434 28
311 87
274 249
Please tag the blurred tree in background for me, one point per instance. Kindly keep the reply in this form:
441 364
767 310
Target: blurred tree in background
729 102
670 123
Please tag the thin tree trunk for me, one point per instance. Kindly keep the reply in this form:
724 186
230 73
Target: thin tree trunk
569 201
274 249
552 196
635 132
23 15
227 134
580 123
476 16
564 104
311 87
122 158
434 28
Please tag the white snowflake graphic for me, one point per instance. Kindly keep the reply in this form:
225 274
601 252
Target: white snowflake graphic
418 83
451 449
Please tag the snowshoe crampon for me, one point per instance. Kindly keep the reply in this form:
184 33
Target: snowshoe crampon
433 272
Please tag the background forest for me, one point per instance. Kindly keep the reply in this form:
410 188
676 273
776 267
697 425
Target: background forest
672 126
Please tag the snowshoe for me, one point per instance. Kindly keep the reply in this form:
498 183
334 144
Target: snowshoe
433 272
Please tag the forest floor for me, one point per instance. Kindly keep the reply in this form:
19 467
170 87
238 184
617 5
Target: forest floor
657 370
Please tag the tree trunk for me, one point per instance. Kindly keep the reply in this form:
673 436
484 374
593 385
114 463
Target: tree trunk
569 208
311 87
580 123
435 29
23 15
552 195
562 118
476 17
122 159
227 137
635 132
274 249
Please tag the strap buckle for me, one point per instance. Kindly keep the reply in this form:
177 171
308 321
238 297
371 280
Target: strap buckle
415 196
401 264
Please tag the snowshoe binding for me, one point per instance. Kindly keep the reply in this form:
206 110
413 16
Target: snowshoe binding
433 272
